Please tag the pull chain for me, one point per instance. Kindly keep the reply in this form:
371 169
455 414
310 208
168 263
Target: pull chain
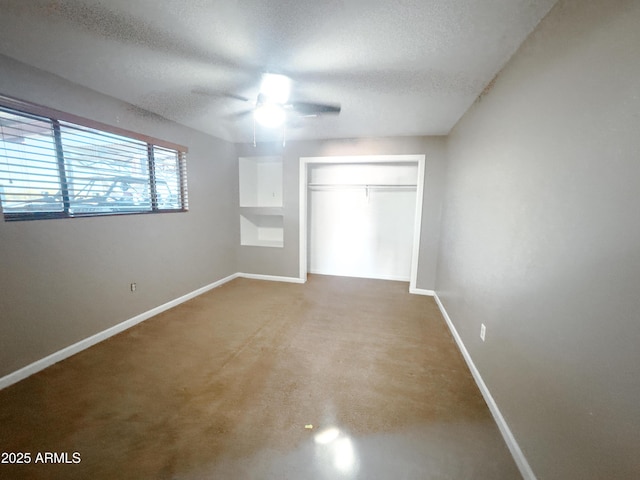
284 134
254 131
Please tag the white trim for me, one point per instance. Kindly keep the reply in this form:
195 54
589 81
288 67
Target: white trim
417 225
422 291
66 352
364 159
271 278
514 448
302 218
304 179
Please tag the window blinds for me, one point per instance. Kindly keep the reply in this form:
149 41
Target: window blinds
51 167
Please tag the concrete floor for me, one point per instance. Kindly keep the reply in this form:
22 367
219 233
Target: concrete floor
223 386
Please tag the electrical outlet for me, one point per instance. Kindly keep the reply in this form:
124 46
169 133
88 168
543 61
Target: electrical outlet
133 287
483 331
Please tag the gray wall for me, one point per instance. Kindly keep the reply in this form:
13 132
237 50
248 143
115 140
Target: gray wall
285 261
64 280
541 241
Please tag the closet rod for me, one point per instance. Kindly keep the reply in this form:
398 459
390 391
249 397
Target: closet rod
363 185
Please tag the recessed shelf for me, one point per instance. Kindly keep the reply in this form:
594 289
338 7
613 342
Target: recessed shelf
260 181
261 210
262 230
261 219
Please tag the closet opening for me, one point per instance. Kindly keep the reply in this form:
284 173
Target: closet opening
360 216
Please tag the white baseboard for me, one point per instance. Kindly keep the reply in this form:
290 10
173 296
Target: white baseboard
66 352
514 448
422 291
271 278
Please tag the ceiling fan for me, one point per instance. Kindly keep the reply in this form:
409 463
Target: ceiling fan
273 107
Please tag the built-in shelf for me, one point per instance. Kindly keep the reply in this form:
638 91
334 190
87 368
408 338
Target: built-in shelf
261 210
260 181
262 230
261 213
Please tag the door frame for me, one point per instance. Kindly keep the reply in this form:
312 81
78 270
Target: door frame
305 162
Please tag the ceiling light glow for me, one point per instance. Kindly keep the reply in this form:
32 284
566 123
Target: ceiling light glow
269 115
275 88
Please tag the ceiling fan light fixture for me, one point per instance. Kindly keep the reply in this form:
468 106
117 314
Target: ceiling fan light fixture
269 115
275 88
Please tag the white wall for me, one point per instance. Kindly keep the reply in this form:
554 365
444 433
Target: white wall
64 280
541 241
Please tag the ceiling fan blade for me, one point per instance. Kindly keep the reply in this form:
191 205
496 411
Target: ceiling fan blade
217 94
239 115
312 109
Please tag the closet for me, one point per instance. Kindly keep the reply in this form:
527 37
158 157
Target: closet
361 219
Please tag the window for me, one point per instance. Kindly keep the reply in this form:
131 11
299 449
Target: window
55 165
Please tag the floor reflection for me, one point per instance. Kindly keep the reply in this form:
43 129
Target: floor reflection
335 454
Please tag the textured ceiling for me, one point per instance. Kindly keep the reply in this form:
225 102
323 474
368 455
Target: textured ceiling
397 67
